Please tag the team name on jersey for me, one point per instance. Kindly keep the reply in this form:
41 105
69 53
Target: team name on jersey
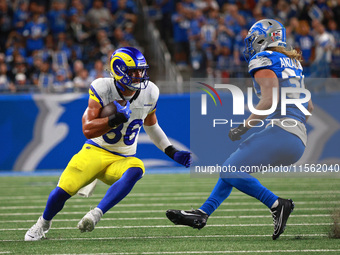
288 62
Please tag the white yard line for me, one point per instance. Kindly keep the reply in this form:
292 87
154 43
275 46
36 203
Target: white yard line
180 194
64 212
255 203
172 226
167 237
162 218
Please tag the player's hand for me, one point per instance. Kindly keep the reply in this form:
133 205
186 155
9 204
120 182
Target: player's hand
236 133
125 110
183 157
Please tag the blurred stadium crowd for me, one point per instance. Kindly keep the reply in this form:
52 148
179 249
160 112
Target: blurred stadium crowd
62 45
209 34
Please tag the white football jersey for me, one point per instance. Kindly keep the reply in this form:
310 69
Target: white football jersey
122 140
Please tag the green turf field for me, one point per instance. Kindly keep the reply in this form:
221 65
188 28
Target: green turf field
138 225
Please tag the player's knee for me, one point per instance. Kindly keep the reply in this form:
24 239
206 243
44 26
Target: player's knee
134 173
137 163
70 186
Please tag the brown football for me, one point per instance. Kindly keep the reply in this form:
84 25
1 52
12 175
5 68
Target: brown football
110 108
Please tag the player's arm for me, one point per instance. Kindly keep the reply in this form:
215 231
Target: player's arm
159 138
267 80
93 126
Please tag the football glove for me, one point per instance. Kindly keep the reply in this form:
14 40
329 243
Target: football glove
236 133
121 116
182 157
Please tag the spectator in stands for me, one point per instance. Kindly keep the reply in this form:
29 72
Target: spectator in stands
304 42
199 61
233 19
76 28
61 82
6 85
82 81
43 79
21 83
57 17
333 30
77 67
35 32
77 8
167 8
6 20
323 52
99 17
14 46
207 5
19 65
98 71
181 24
124 13
240 64
224 61
21 16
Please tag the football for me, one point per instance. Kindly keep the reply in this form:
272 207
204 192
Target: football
110 108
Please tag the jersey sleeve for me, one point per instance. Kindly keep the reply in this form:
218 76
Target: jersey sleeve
263 60
154 95
98 91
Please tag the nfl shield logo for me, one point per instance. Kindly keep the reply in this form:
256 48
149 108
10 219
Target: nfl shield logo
275 36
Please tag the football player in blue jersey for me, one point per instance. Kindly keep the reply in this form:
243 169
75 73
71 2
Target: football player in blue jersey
271 66
109 152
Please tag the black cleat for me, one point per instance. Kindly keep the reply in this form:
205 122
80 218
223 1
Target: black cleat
194 218
280 216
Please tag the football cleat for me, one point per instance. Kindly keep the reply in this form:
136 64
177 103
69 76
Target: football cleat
38 230
280 216
194 218
90 220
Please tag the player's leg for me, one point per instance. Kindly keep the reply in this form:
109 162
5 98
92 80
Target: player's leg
122 175
272 146
258 149
81 170
198 218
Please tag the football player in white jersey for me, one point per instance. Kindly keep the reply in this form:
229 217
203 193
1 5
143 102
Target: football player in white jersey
109 152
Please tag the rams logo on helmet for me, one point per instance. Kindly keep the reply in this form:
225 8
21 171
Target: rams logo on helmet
124 60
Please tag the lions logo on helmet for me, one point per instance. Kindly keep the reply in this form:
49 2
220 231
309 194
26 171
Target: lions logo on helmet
262 35
124 60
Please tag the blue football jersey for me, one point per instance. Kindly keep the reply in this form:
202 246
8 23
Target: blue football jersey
289 73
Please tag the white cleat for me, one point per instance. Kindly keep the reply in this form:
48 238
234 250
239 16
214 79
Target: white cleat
90 220
38 230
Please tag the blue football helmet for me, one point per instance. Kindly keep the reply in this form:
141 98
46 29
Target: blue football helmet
125 60
262 35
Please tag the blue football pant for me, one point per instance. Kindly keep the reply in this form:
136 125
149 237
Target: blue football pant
272 146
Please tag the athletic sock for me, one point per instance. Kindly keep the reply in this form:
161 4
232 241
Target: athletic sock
120 188
276 203
252 187
55 203
220 192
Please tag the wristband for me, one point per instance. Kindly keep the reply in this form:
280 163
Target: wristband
117 119
170 151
